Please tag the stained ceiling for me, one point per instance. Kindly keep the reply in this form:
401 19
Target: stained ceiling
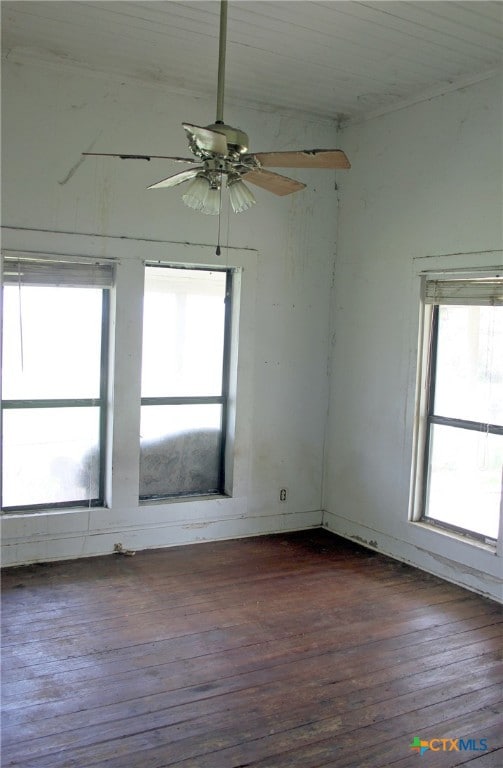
331 59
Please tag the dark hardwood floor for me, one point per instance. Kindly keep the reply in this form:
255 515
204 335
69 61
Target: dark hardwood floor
291 651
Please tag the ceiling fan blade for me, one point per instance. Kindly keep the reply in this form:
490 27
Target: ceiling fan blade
189 160
178 178
207 140
273 182
306 158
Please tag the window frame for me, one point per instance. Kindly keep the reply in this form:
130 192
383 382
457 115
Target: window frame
425 394
127 257
432 418
100 402
222 399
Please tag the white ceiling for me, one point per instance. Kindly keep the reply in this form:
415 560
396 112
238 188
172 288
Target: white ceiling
332 59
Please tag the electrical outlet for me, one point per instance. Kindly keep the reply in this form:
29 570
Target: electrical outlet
283 494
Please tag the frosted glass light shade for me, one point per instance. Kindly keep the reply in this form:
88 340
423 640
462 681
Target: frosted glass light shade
203 195
240 196
211 204
197 193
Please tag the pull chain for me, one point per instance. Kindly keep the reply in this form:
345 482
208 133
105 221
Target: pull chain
21 345
218 251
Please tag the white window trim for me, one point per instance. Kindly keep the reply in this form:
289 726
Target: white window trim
123 451
478 264
227 382
31 268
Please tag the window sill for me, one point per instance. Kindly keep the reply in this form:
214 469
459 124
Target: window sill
51 511
184 499
465 538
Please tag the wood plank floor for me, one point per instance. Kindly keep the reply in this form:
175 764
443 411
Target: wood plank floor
291 651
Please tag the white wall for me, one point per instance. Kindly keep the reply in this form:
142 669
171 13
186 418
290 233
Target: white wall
53 113
425 181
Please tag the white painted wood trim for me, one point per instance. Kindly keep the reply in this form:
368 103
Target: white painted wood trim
45 545
441 554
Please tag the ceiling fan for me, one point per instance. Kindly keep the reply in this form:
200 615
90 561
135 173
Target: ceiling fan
222 151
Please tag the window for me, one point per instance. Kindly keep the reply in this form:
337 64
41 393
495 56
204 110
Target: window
185 372
463 437
54 383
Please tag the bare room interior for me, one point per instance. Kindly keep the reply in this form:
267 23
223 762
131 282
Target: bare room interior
252 384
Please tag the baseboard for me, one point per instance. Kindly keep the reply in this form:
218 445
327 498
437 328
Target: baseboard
18 549
23 550
462 574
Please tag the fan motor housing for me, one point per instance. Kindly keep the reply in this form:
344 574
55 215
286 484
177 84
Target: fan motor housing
236 138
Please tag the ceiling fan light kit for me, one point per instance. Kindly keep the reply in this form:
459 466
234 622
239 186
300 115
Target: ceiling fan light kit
197 193
240 196
222 151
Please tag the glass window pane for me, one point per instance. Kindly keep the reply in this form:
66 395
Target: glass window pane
180 449
51 342
183 332
469 377
50 455
465 479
